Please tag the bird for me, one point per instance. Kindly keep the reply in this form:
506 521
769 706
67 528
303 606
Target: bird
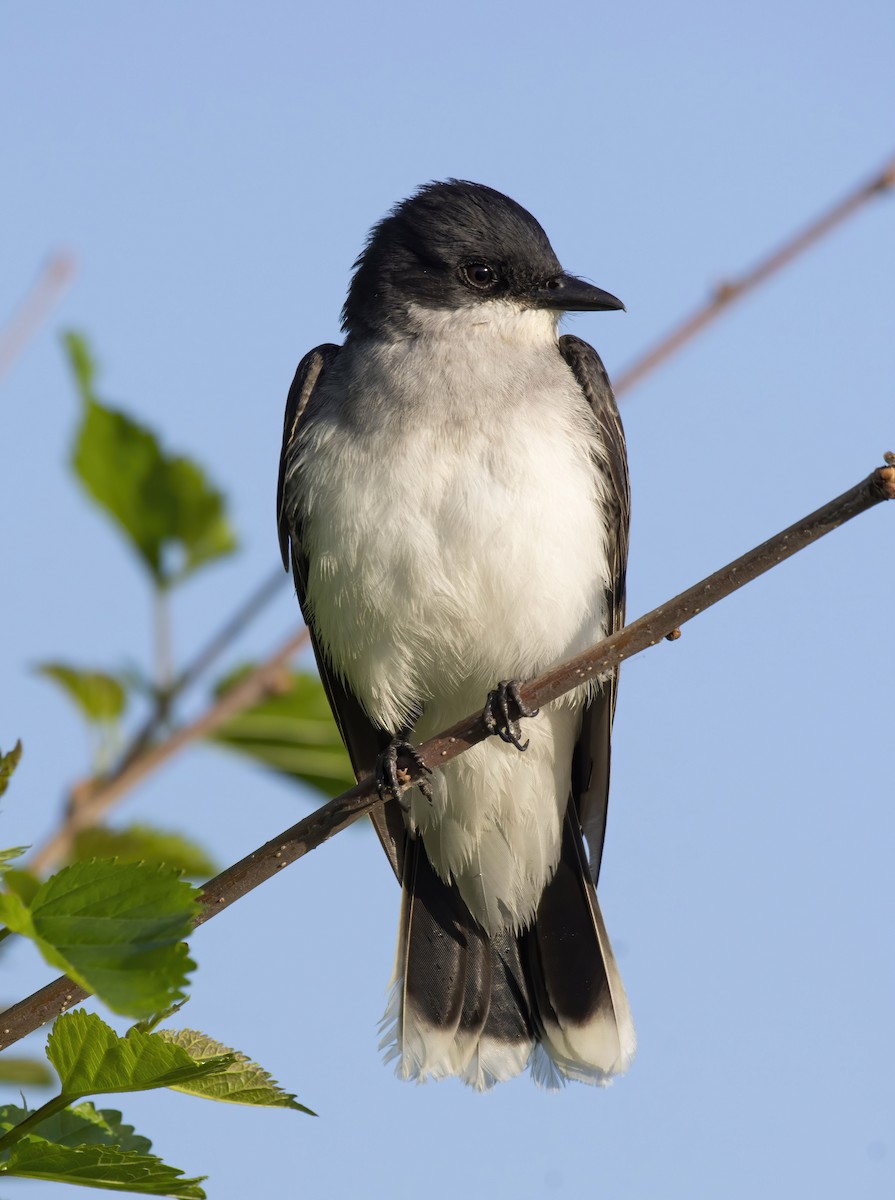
454 504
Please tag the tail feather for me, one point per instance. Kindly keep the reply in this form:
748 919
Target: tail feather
583 1018
441 990
484 1008
506 1042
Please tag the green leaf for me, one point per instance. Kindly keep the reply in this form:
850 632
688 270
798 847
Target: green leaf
99 696
91 1058
82 364
7 855
85 1125
82 1144
243 1082
101 1167
196 514
23 1071
22 883
8 763
174 518
142 843
82 1125
15 915
292 732
150 1024
12 1115
115 928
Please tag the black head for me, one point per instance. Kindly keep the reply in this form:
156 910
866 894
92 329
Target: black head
457 244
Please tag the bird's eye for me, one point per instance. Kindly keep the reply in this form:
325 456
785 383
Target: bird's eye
479 275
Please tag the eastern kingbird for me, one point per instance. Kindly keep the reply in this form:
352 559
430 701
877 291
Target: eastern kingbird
454 489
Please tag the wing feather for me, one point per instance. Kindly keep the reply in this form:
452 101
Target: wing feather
590 772
362 738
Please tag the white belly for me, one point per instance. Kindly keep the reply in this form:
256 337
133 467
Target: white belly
458 541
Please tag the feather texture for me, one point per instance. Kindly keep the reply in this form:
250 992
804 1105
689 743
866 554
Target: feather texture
456 501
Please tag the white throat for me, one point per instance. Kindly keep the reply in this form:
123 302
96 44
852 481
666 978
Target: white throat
505 320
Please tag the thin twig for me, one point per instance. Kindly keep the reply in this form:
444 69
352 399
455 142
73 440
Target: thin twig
236 881
273 585
194 670
97 796
729 291
39 300
164 670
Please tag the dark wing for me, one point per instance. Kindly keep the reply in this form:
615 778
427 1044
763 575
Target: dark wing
590 770
308 374
363 740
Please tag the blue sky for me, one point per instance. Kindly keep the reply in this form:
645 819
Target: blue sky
214 169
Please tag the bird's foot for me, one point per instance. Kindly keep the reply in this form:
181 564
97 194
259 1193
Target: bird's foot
393 776
502 711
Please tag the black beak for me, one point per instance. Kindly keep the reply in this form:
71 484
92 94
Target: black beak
565 293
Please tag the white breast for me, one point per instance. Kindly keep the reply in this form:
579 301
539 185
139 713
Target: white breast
453 525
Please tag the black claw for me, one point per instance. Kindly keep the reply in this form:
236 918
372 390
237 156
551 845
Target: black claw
389 770
503 720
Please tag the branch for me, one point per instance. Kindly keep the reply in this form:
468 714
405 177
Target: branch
663 622
216 645
726 293
47 289
265 592
95 797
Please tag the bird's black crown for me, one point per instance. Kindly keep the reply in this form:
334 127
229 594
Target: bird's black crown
448 245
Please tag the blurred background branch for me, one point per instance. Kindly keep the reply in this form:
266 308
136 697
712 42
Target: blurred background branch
730 290
36 306
92 799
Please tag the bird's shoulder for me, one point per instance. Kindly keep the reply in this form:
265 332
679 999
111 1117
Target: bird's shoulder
593 379
587 367
308 376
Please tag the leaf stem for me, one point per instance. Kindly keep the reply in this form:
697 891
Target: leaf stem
35 1118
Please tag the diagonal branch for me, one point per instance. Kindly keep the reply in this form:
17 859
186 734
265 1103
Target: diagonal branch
273 585
663 622
49 286
734 289
216 645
